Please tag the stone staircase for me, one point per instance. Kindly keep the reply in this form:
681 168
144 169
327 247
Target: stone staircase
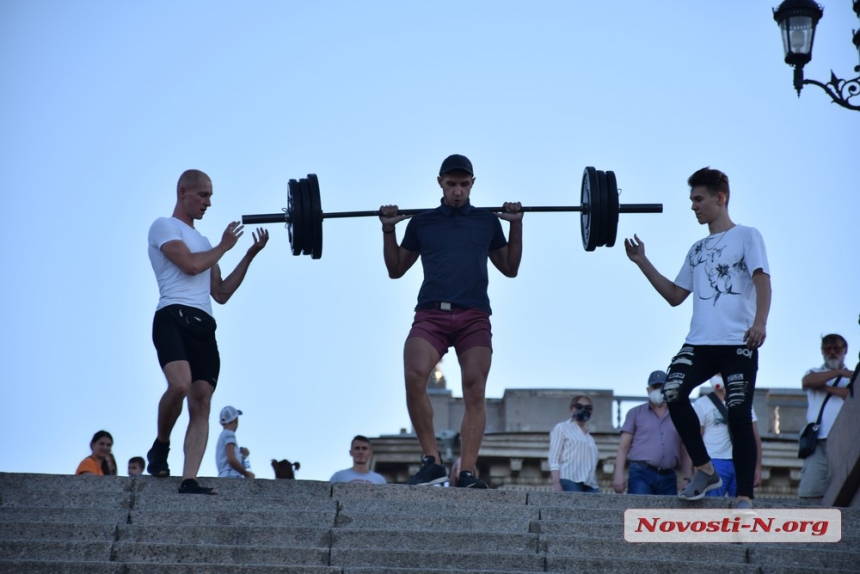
118 525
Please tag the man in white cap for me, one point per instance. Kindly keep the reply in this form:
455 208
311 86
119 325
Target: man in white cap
713 417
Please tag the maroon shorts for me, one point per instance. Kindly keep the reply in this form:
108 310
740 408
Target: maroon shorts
460 328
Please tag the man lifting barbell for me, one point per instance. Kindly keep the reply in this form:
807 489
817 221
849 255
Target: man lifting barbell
454 242
728 274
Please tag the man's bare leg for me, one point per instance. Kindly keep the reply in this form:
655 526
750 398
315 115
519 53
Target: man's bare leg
419 360
178 375
474 367
197 435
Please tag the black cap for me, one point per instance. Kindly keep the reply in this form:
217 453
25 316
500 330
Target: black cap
456 162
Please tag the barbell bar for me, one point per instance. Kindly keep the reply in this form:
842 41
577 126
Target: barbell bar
599 209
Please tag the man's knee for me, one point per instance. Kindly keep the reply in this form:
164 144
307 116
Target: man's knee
178 375
672 389
200 399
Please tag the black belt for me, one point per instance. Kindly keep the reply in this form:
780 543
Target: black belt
440 306
654 468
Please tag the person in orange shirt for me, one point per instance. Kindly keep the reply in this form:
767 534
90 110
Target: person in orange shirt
97 462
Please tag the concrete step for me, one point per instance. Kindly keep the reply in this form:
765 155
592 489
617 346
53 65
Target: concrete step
435 521
396 570
63 515
430 541
61 550
83 483
348 491
315 518
620 565
441 558
80 532
227 556
89 500
237 502
60 567
37 567
610 529
448 508
277 536
812 556
120 525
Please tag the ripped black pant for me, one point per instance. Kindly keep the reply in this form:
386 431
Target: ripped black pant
692 366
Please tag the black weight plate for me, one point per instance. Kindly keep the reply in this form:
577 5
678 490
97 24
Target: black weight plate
587 216
611 208
296 217
316 215
602 212
307 218
290 215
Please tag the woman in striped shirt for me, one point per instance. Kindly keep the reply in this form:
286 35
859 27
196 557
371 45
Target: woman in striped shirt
572 451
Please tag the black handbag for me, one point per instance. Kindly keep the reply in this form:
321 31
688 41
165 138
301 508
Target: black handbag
808 439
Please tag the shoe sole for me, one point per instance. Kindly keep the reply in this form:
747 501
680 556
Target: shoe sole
701 495
433 482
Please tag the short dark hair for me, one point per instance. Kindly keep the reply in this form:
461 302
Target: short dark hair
359 438
713 180
834 338
138 460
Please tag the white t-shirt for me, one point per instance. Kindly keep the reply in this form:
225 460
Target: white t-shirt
350 475
716 435
718 272
831 409
174 286
221 463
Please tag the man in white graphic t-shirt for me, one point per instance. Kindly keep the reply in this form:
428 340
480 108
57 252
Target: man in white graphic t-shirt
728 274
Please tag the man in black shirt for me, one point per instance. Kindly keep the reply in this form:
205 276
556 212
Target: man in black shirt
454 242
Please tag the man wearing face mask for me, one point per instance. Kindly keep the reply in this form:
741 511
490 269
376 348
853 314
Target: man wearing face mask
652 445
832 378
573 452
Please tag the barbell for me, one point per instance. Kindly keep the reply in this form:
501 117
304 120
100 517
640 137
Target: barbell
599 211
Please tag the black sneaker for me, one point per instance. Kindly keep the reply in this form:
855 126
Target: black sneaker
430 473
157 457
190 486
466 480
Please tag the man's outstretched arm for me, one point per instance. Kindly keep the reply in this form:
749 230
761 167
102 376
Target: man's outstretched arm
672 293
222 290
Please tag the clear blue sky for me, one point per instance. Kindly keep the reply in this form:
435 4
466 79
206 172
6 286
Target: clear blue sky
104 104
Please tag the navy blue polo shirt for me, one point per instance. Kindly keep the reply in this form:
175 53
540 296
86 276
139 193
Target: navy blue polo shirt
454 245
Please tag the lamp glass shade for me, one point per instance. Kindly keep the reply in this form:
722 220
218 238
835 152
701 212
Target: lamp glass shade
798 33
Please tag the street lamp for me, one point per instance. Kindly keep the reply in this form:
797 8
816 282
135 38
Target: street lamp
797 20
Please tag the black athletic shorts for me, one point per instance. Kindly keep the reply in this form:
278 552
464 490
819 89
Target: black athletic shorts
182 333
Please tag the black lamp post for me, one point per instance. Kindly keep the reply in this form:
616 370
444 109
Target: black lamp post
797 20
